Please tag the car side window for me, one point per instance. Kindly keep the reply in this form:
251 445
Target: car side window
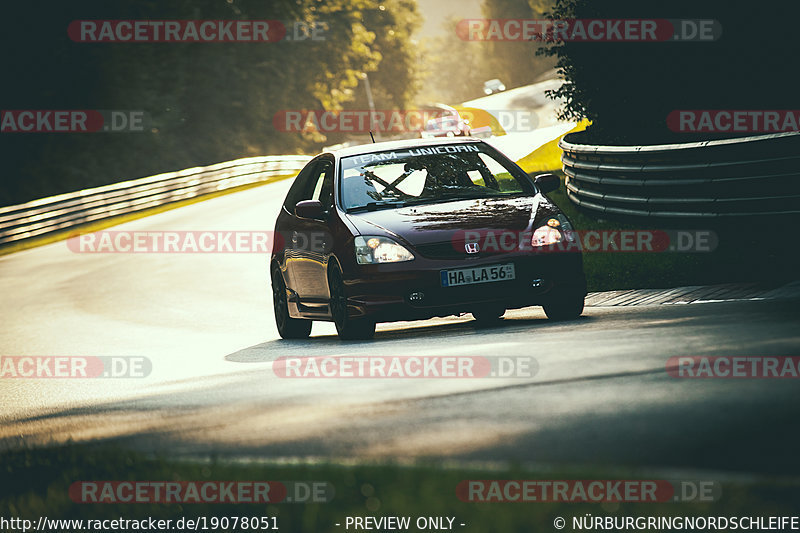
298 190
323 189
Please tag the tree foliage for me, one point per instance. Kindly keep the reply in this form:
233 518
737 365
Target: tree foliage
627 89
457 68
515 62
208 102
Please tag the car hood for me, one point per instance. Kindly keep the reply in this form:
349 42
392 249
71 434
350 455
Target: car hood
440 222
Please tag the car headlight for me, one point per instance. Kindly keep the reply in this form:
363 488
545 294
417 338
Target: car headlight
371 250
550 233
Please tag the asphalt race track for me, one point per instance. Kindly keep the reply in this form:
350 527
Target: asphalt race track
601 395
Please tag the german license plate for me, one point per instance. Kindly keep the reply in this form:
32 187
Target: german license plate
482 274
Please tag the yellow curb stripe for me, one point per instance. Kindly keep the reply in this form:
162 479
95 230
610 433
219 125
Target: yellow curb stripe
548 156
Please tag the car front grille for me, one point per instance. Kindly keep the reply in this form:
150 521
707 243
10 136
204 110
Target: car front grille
454 250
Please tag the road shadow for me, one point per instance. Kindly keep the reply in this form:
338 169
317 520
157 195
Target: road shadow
386 341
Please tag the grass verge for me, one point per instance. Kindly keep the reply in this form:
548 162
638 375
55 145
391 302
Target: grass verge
37 484
745 253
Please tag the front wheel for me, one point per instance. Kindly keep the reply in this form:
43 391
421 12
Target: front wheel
348 328
564 305
288 327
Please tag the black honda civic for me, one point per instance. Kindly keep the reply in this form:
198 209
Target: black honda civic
414 229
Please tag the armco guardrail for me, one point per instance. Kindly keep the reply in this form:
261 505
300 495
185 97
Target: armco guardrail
46 215
711 179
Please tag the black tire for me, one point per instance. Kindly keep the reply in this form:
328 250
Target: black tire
288 327
488 315
348 328
564 305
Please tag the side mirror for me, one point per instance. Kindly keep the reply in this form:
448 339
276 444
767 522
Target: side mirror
547 183
310 209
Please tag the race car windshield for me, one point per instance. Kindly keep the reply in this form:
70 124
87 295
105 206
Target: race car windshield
427 175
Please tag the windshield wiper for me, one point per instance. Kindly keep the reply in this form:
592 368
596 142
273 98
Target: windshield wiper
372 206
469 195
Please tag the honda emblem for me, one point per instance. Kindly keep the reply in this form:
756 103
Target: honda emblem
472 247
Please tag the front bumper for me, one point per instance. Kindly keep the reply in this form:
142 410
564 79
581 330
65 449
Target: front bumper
413 290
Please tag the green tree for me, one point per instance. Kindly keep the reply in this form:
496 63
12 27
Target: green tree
208 102
627 89
516 63
455 69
